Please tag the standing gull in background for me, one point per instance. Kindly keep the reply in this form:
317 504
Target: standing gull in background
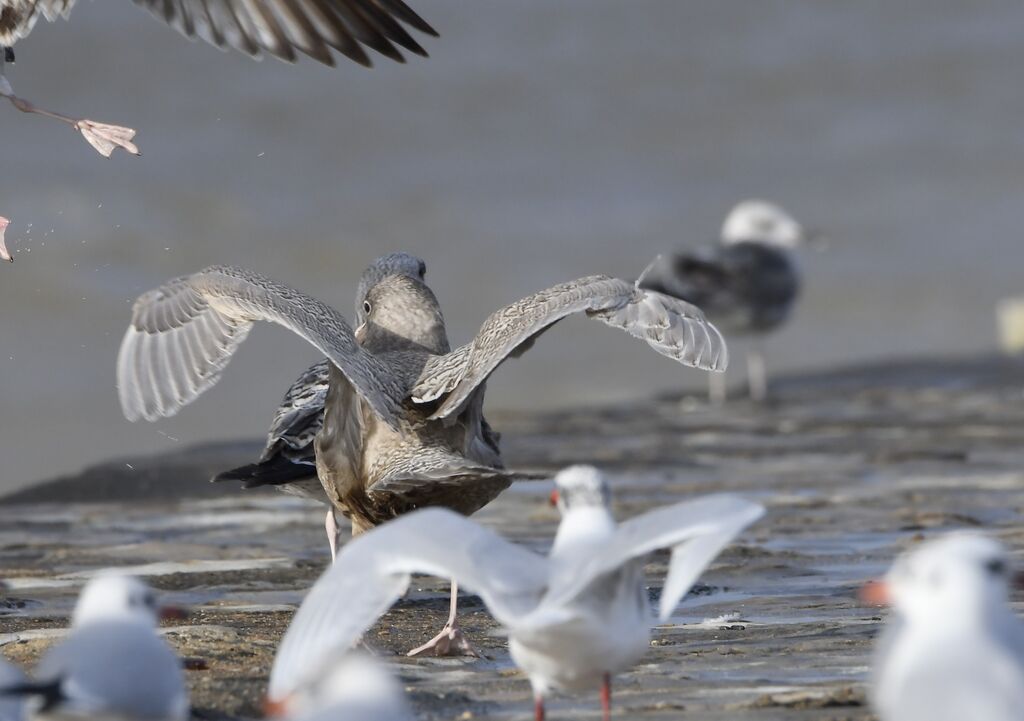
112 664
574 618
747 283
954 650
354 686
403 417
277 27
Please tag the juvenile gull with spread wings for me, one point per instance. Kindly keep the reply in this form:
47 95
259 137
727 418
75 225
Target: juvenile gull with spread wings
281 28
403 420
574 617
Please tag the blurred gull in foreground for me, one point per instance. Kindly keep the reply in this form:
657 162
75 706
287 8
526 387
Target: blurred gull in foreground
403 420
574 618
12 707
355 686
277 27
112 664
747 283
953 650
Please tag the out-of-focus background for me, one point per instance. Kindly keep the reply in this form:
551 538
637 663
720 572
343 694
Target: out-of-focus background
541 141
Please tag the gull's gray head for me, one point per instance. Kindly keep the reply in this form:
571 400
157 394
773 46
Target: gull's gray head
580 487
758 221
383 267
116 597
400 310
959 578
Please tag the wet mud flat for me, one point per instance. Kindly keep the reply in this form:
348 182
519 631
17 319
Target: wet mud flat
853 465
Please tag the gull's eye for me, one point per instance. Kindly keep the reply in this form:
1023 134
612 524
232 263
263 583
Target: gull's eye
997 567
366 307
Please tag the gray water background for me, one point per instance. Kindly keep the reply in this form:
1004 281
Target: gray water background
542 140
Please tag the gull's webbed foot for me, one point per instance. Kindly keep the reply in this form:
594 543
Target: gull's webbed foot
107 138
450 642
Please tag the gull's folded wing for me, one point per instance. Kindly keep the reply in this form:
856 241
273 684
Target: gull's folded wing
280 27
373 571
183 334
671 326
696 531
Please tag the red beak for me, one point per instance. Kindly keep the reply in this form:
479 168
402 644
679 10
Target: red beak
875 593
275 708
173 613
553 498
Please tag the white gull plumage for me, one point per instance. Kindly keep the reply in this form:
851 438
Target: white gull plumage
574 617
953 649
113 664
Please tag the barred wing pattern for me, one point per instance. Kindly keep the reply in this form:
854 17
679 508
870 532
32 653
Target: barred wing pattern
183 334
313 27
670 326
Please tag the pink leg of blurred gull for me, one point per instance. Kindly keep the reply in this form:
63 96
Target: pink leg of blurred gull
102 137
3 248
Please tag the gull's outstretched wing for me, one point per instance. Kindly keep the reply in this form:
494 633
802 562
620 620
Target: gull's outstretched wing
696 531
373 571
671 326
183 334
280 27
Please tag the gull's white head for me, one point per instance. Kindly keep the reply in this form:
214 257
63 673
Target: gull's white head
117 597
961 578
383 267
758 221
579 487
353 683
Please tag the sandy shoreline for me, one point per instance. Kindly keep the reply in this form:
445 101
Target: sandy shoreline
853 466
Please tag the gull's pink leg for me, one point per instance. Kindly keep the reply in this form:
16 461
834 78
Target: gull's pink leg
102 137
538 708
606 697
451 641
331 524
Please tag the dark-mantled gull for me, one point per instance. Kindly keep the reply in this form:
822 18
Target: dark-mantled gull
281 28
353 686
112 664
747 282
953 649
403 420
574 617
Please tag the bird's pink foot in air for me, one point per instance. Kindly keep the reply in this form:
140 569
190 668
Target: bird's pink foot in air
4 254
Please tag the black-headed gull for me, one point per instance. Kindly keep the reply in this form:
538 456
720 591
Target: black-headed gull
403 415
113 664
747 282
953 650
574 618
282 28
352 686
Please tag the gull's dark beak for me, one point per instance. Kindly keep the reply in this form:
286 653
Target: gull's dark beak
816 239
172 613
875 593
553 498
360 333
1017 581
